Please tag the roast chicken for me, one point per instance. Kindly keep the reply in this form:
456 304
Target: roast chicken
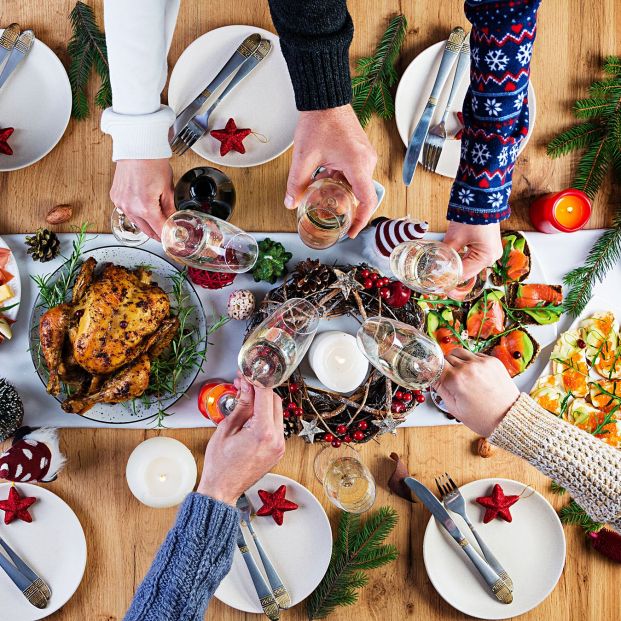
101 344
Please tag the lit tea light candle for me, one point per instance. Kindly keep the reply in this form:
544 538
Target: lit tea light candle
337 361
161 472
562 212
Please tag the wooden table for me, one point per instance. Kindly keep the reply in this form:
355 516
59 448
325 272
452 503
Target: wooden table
123 535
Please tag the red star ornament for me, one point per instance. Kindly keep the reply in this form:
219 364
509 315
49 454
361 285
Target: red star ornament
497 505
5 134
16 507
275 504
231 137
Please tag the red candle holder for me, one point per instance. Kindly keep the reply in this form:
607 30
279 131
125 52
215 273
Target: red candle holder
561 212
216 400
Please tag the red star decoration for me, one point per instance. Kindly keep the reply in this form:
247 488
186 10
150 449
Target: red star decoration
275 504
231 137
16 507
5 134
497 505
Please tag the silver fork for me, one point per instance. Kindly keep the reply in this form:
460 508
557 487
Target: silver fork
454 501
197 126
8 40
436 137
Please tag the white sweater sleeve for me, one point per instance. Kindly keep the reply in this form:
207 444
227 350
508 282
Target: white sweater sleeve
138 36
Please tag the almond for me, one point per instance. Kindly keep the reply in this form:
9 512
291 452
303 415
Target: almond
484 448
59 214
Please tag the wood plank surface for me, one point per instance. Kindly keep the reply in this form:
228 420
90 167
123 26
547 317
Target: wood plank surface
124 535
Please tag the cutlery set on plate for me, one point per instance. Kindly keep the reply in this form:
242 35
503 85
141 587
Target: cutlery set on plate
34 588
487 565
191 124
431 141
14 47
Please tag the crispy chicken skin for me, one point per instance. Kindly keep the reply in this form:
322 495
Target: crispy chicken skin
52 331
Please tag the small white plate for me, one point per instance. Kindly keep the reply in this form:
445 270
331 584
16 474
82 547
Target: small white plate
531 548
412 95
264 101
54 546
14 283
36 101
300 549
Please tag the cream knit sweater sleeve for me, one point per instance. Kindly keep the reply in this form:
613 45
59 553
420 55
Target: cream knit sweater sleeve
586 467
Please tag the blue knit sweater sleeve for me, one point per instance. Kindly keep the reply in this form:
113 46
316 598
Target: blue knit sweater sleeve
495 109
188 568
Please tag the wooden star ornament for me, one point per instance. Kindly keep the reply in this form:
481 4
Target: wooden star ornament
497 505
231 137
15 507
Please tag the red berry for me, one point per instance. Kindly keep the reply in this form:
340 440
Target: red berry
336 443
293 387
418 392
286 414
398 407
446 339
347 439
358 435
384 293
367 283
420 398
407 397
328 437
374 276
341 429
299 411
292 406
383 282
399 394
399 294
581 344
363 425
364 273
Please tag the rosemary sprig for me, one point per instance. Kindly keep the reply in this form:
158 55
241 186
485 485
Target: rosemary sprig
3 309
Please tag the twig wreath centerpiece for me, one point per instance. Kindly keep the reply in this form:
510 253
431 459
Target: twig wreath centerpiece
378 405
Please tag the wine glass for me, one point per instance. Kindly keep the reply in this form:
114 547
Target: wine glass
276 346
402 353
325 212
125 231
347 482
203 241
427 266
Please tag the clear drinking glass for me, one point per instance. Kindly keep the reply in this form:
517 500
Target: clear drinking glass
125 231
275 348
325 212
208 243
346 480
401 352
427 266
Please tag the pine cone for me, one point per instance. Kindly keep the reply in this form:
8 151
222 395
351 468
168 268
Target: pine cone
311 275
290 427
11 410
44 245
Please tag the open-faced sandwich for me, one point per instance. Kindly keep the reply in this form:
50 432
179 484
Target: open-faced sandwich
535 303
516 349
514 264
445 326
6 295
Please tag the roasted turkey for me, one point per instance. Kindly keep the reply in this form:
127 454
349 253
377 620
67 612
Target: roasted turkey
102 342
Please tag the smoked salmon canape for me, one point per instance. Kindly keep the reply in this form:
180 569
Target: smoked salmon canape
514 264
535 304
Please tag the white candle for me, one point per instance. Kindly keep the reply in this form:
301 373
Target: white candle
337 361
161 472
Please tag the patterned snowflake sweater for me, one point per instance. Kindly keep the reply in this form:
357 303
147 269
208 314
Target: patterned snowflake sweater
495 109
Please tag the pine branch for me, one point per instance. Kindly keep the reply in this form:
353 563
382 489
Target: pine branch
555 488
376 74
573 513
87 51
612 65
577 137
357 548
593 107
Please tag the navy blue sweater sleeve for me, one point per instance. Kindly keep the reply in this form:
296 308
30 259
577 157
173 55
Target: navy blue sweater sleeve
188 568
495 108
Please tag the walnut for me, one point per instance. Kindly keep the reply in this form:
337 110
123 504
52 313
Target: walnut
484 448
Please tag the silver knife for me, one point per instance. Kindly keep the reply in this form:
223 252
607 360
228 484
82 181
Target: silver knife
493 580
23 45
415 146
26 586
8 39
266 597
26 571
239 57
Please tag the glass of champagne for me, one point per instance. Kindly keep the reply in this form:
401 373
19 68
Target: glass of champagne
430 267
346 480
402 353
325 212
203 241
275 348
125 231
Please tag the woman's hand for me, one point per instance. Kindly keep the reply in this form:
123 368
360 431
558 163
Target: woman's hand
246 445
477 390
483 243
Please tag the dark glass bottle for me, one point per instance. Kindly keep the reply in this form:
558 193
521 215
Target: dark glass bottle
206 189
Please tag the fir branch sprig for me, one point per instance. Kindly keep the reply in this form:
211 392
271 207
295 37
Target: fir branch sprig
87 51
573 513
557 489
357 548
377 74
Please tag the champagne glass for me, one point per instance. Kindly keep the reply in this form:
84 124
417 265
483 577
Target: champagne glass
125 231
427 266
402 353
208 243
346 480
325 212
275 348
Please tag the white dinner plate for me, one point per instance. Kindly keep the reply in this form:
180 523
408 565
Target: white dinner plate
531 548
53 545
412 95
14 283
36 101
300 549
263 102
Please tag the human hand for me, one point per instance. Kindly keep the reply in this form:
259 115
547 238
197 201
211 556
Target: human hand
246 445
483 242
143 191
334 139
468 376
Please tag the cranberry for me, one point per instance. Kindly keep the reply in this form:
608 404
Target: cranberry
399 394
374 276
286 414
420 398
363 425
328 437
581 344
292 406
336 443
446 339
347 439
299 412
358 435
368 283
418 392
517 355
365 273
293 387
384 293
407 397
341 429
398 407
